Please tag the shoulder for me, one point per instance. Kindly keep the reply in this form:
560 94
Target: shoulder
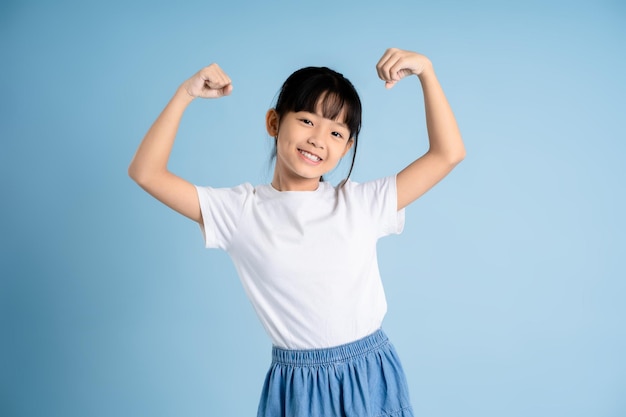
379 195
375 202
237 189
237 193
382 185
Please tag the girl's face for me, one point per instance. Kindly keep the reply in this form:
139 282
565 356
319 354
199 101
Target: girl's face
308 146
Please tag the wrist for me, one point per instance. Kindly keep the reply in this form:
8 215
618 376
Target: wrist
427 73
182 95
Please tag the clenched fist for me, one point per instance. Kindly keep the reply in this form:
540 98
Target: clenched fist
209 82
396 64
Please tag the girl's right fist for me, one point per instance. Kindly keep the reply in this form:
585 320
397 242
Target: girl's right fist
209 82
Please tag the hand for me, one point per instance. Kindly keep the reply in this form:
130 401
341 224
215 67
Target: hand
209 82
396 64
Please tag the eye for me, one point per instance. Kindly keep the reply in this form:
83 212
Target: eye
337 135
306 122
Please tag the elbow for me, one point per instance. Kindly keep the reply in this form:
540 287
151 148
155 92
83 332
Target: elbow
144 176
458 156
450 154
136 174
454 157
132 172
458 153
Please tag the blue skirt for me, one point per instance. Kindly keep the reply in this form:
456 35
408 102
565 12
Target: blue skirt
359 379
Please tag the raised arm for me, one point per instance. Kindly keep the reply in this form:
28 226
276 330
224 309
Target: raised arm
446 147
149 166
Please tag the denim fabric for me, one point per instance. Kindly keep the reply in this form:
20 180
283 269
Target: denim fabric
362 378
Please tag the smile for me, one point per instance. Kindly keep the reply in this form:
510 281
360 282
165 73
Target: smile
308 155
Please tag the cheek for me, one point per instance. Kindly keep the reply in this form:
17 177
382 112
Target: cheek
345 149
350 146
281 146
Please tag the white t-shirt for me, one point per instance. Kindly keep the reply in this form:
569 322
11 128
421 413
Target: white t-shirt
307 259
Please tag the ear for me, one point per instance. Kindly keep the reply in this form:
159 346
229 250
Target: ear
348 147
271 122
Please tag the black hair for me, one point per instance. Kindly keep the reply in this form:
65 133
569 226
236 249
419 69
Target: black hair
312 88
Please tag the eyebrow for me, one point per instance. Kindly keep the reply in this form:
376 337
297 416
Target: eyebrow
340 124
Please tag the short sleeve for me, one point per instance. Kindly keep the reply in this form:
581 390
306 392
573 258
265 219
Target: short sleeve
380 200
221 209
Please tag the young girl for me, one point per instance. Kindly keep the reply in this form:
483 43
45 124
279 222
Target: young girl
306 251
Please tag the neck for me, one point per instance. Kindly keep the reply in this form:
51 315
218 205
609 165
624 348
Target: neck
281 183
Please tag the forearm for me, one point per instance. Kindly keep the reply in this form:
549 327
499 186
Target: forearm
154 151
443 132
446 145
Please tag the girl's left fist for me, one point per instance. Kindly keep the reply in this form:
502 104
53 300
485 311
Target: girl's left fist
396 64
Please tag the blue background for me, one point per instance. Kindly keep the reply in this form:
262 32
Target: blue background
506 290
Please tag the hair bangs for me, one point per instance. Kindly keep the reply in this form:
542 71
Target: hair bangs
334 105
319 89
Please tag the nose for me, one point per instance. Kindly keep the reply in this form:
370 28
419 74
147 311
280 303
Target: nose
315 141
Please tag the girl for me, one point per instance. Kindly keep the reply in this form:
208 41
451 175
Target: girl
306 251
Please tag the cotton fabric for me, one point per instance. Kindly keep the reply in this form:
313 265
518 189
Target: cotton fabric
307 259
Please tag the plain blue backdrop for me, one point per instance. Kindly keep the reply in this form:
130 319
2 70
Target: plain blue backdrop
506 290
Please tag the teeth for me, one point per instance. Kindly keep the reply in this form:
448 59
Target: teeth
312 157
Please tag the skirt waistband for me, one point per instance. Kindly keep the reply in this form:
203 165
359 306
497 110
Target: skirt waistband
342 353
